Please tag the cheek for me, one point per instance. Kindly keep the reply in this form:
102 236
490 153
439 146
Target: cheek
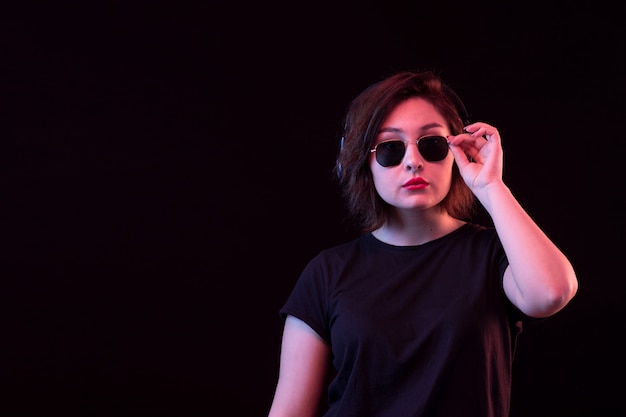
446 173
381 176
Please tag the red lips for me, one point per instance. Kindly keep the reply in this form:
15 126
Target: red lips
415 182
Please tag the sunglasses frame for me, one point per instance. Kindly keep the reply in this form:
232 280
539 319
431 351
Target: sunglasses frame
374 149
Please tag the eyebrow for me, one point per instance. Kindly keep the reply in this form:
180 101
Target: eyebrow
396 130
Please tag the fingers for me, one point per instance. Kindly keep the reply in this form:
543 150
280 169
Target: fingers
462 157
480 129
468 143
479 140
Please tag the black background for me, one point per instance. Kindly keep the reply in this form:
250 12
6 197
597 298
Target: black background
166 174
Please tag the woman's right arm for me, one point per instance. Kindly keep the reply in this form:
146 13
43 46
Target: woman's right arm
304 362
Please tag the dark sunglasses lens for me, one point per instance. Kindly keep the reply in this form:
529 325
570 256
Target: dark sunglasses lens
390 153
433 148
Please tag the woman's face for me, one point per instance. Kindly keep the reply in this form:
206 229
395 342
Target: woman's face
415 183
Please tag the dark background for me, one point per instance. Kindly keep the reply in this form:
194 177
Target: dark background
166 174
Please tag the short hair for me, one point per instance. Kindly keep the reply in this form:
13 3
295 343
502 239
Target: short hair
361 124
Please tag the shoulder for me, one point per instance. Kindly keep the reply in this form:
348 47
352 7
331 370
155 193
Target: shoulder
329 262
351 246
478 233
477 241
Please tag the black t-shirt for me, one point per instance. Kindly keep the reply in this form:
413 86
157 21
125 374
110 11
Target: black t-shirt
420 330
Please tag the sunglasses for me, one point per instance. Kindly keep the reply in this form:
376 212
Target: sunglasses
390 153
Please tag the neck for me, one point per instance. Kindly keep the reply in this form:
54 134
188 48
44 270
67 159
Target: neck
416 228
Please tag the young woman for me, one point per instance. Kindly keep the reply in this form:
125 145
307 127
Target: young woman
419 316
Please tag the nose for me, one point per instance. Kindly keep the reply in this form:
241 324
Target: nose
412 158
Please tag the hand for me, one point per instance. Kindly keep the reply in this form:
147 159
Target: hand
478 154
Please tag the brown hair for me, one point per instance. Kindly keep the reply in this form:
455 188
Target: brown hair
362 121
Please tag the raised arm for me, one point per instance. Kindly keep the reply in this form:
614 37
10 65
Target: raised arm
540 280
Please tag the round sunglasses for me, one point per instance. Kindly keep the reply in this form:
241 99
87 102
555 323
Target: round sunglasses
391 152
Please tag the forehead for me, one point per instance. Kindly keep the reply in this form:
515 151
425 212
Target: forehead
414 109
413 115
